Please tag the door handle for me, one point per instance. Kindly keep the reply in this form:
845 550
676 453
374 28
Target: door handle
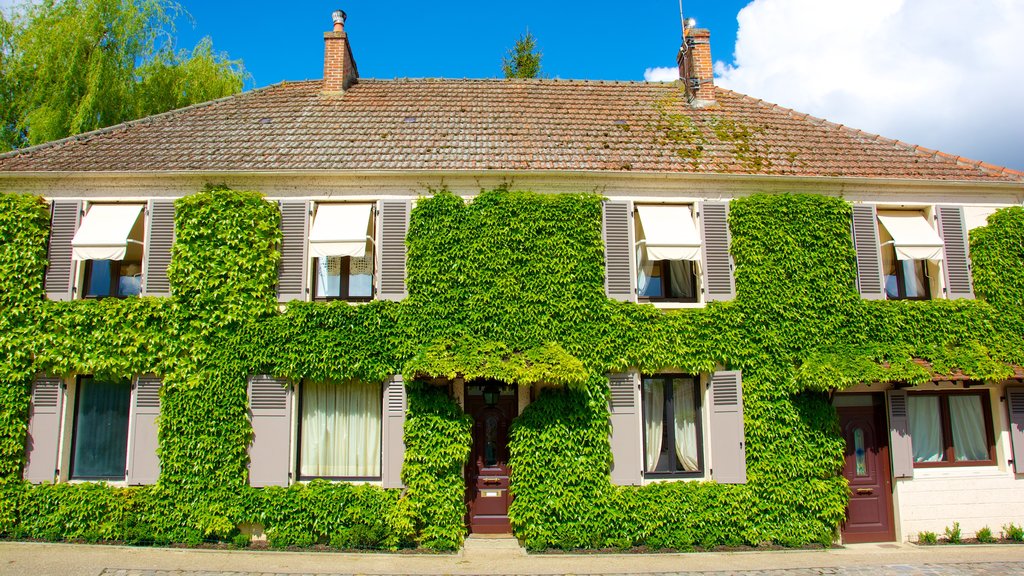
865 490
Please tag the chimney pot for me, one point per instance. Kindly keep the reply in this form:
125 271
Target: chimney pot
339 18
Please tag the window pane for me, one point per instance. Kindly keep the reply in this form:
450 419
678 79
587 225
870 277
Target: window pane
648 281
99 278
914 278
129 282
654 422
925 428
969 439
889 263
360 280
328 277
101 429
341 430
685 419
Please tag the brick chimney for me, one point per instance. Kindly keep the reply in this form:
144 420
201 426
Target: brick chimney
695 68
339 67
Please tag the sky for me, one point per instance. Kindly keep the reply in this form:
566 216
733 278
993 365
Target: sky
944 74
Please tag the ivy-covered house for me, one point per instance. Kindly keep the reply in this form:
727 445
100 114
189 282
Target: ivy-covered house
387 313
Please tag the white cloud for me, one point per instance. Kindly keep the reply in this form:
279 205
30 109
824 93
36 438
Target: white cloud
944 74
661 74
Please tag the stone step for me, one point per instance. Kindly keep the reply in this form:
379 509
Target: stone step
500 544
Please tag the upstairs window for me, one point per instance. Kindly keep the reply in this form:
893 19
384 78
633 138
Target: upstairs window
672 426
668 252
342 247
951 429
110 242
910 249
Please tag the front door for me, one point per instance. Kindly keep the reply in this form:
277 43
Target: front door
869 516
492 405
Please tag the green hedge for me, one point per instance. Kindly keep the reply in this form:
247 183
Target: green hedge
509 286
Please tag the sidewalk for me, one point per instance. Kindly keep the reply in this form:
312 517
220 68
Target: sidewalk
856 560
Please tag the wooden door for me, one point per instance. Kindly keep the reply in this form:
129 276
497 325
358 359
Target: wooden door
869 515
492 405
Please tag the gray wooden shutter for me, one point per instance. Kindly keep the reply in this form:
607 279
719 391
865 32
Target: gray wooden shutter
291 272
159 241
899 435
728 444
394 220
957 264
869 253
719 283
1015 403
626 441
60 272
143 464
619 270
44 430
270 410
393 454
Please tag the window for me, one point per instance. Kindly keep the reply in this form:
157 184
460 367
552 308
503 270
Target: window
668 249
342 247
110 242
340 430
100 434
672 426
951 429
908 244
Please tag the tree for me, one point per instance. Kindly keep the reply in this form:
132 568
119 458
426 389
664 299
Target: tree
523 59
70 66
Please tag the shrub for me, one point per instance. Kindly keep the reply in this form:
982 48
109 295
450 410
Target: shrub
241 540
926 537
953 534
984 535
1013 532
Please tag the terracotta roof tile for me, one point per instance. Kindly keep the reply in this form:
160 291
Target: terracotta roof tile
495 125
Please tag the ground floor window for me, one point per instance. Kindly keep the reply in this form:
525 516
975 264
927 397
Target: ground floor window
952 428
100 433
340 430
672 425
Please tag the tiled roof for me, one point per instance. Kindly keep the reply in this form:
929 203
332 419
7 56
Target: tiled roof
958 376
494 125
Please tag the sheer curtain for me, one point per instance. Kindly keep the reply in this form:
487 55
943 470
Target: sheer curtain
925 428
654 418
685 423
968 423
341 429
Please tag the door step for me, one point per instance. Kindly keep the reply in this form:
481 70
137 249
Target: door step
492 545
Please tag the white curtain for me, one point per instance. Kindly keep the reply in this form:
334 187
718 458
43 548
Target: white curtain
968 423
685 423
925 428
654 418
341 430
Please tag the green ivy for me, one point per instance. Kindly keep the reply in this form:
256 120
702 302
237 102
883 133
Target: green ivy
509 286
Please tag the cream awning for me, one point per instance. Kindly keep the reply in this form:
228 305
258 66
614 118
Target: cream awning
104 232
912 236
669 232
339 230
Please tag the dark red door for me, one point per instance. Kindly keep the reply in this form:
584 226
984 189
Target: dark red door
869 516
492 405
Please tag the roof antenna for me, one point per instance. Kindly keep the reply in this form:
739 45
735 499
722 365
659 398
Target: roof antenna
682 21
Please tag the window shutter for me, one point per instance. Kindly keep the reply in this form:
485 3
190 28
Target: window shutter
159 240
270 410
626 441
899 435
44 429
728 447
60 273
957 265
394 428
619 269
869 253
291 272
1015 401
143 464
394 218
719 283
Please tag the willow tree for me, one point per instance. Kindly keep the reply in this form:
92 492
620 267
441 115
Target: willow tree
71 66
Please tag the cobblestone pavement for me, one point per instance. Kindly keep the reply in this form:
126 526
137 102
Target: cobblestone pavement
966 569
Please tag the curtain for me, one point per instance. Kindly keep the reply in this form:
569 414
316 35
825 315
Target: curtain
328 276
968 423
685 423
654 418
341 430
925 428
101 429
681 278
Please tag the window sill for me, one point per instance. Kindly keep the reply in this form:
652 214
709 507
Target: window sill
674 305
948 472
113 483
698 477
354 481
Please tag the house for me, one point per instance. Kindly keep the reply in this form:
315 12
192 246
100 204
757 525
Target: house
734 277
